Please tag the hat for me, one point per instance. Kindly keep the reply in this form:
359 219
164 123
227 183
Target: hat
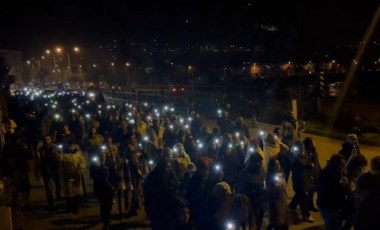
222 189
167 154
203 163
173 117
191 167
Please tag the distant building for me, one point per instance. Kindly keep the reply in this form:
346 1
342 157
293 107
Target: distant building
14 60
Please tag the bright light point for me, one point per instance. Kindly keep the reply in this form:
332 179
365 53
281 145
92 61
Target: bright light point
146 104
58 49
88 115
146 138
181 120
56 116
28 62
261 132
112 63
172 109
237 134
186 126
76 49
60 146
171 127
151 162
47 51
230 146
251 150
127 64
95 159
175 150
103 147
217 167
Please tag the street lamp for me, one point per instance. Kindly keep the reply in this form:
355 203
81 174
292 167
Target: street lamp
189 68
113 67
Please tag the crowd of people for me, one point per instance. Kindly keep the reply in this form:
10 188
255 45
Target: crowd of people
183 173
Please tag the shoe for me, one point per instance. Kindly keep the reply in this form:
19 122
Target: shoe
308 219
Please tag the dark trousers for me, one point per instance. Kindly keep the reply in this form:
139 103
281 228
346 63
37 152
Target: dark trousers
258 212
48 184
72 204
331 218
105 203
301 199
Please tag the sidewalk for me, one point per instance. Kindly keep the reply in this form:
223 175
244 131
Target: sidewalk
88 218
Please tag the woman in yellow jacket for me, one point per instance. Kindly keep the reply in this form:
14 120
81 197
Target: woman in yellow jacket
72 166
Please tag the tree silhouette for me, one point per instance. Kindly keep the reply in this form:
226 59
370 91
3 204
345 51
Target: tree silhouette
5 78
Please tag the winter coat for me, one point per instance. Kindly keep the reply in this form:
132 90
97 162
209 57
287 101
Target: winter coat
243 130
367 202
316 167
347 150
302 174
103 186
225 125
331 193
252 184
156 138
72 166
272 147
47 160
277 201
160 191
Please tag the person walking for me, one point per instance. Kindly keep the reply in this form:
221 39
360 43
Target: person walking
47 166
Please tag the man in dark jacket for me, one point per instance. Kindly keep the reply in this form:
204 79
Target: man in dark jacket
104 185
47 163
350 146
302 177
252 184
331 192
224 123
241 128
368 198
161 189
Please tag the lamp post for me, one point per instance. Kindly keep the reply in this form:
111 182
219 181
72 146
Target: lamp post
189 69
127 70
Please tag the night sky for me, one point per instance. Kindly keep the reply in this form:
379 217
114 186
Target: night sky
303 24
